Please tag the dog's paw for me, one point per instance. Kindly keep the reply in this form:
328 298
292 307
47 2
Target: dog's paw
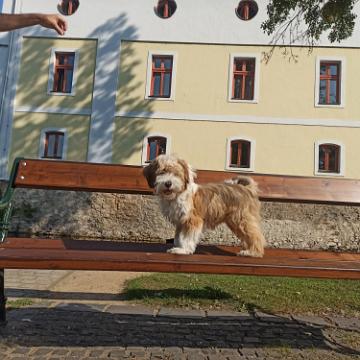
179 251
249 253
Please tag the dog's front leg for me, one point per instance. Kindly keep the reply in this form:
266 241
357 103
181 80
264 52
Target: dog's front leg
187 237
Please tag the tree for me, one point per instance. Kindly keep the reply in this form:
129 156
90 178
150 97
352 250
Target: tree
291 21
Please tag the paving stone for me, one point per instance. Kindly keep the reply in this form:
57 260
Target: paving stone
80 307
271 318
181 313
229 315
312 320
346 323
131 310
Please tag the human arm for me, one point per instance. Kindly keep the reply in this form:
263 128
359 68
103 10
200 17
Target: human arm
16 21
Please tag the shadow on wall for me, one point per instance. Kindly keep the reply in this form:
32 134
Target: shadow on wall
33 85
79 214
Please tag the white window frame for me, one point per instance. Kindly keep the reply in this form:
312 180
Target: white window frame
43 139
342 62
257 58
341 158
252 154
149 75
145 145
52 71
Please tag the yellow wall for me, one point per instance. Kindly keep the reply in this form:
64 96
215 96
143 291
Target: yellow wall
27 129
280 149
34 74
287 88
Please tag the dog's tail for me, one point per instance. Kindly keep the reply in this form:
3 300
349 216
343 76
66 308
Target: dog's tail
246 181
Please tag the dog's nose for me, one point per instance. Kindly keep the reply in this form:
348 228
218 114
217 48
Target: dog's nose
168 184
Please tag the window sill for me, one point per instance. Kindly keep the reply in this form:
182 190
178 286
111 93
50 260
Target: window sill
153 98
53 93
255 101
329 174
237 169
337 106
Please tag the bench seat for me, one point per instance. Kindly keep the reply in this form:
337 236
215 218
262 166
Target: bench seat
60 254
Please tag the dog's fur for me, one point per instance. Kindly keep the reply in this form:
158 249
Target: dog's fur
191 207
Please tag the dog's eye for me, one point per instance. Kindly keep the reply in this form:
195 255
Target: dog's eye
161 173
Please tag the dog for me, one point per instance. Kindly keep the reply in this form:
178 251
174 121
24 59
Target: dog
193 208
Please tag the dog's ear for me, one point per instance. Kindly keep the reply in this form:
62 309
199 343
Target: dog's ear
189 173
150 173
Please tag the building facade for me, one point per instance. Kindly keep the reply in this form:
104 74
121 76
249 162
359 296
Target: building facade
134 79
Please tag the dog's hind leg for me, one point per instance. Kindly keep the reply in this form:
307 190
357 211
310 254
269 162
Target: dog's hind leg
249 232
187 237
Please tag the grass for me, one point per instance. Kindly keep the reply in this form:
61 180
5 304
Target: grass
18 303
241 293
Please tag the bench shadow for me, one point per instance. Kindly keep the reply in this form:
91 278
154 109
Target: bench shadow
88 326
207 292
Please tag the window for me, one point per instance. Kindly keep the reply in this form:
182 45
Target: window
68 7
243 82
161 75
63 72
156 146
329 158
165 8
53 145
330 83
240 154
247 9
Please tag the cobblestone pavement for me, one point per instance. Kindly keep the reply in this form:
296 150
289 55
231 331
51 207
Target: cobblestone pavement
62 329
84 331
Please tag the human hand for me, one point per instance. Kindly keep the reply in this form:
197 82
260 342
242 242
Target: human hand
53 21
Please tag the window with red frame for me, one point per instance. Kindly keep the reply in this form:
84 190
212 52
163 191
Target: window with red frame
166 8
68 7
240 153
162 67
243 79
247 9
329 158
63 72
54 145
330 82
156 146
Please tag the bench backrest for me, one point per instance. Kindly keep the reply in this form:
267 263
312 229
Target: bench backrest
67 175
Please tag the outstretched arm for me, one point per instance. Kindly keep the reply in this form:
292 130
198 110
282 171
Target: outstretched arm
16 21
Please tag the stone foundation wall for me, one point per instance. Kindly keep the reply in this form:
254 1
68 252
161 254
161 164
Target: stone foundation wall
137 218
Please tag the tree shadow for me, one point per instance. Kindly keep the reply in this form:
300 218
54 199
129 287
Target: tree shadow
64 210
89 326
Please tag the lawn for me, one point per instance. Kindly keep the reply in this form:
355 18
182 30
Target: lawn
246 293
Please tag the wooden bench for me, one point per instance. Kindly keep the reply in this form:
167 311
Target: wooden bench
30 253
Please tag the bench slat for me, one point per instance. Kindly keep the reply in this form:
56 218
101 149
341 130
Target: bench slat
65 175
207 260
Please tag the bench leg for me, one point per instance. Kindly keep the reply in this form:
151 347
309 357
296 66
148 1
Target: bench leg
2 298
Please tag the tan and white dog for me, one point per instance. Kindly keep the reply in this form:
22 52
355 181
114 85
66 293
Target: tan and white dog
192 207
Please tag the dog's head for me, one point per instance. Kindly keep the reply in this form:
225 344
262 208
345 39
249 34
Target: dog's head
169 175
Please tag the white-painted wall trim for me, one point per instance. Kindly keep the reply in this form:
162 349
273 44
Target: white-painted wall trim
149 75
43 138
7 108
252 154
257 58
342 61
53 110
241 119
145 145
316 159
52 71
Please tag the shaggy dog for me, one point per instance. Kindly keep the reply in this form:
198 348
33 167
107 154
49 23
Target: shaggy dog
192 208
